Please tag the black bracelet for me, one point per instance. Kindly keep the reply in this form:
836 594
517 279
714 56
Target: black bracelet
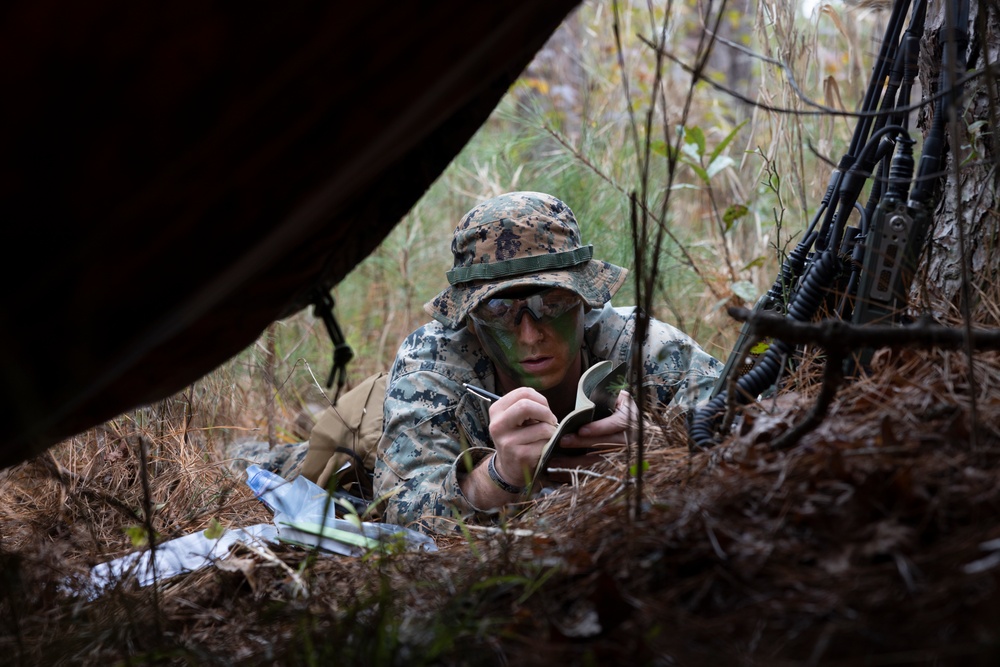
491 468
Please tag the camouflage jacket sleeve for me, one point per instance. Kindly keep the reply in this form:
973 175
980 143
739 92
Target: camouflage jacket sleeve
435 430
674 367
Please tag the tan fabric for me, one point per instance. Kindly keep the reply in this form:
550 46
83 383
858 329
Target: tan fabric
347 434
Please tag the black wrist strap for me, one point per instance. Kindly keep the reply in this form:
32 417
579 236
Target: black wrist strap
491 468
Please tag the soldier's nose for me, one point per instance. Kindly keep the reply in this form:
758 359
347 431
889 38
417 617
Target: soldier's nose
529 330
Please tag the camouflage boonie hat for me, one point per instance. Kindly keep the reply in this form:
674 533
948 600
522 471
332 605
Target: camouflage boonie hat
516 239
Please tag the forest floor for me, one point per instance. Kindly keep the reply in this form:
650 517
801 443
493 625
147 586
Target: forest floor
874 539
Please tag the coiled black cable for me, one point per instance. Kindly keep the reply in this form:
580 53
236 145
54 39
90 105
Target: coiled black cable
845 188
705 420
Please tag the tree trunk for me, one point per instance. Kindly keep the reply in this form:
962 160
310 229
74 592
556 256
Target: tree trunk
966 216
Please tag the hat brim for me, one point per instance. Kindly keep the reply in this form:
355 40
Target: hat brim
595 281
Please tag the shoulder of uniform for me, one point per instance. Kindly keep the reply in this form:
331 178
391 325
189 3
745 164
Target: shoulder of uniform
455 353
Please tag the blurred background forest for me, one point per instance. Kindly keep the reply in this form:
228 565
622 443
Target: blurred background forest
745 184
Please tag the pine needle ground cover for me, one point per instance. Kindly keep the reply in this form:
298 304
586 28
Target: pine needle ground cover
875 537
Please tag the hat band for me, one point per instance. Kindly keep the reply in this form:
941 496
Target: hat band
519 265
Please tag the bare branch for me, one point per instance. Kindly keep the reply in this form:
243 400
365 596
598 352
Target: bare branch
840 336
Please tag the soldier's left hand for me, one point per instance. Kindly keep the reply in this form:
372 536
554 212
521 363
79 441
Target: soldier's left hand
617 429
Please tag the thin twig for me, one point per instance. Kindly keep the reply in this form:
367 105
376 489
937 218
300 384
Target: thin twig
660 222
820 110
585 472
833 375
300 586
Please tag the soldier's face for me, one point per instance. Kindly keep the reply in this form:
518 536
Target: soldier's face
538 353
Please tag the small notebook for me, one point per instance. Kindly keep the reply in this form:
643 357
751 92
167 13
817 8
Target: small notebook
596 394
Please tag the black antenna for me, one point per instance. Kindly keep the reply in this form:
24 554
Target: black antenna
871 143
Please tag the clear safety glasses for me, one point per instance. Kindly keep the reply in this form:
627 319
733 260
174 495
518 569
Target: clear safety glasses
544 306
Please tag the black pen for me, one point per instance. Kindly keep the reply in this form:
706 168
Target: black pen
481 393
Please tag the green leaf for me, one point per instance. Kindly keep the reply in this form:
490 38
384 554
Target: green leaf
734 213
760 348
689 154
756 262
660 147
215 530
351 514
702 174
694 135
634 471
138 536
745 290
725 142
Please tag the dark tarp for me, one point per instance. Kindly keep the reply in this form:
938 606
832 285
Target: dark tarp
176 176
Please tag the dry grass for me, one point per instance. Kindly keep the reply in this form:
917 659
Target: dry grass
874 538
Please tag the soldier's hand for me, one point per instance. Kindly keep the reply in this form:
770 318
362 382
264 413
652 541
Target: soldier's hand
616 429
520 425
595 438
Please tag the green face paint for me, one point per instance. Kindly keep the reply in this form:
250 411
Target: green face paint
536 355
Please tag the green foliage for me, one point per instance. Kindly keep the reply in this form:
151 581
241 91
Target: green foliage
139 536
734 213
633 470
692 153
725 187
215 530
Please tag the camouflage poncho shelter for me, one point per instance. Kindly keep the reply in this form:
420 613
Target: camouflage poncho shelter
436 431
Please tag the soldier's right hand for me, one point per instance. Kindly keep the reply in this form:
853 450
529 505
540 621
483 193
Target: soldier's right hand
520 425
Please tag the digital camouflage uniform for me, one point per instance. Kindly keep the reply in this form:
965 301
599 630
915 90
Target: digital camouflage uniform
284 459
434 429
431 420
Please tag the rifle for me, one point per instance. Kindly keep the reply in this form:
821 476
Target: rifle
859 273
